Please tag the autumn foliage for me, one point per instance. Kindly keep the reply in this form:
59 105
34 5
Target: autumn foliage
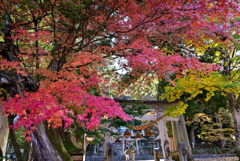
69 48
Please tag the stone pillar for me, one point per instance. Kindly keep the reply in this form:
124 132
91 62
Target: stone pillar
108 139
109 152
140 148
164 138
123 146
95 150
183 132
156 157
182 151
192 136
137 147
171 144
176 134
84 146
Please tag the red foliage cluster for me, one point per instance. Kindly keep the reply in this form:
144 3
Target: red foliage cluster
66 47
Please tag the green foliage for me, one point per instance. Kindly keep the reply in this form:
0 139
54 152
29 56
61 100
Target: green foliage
20 136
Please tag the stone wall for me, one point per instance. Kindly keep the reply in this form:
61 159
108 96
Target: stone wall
218 159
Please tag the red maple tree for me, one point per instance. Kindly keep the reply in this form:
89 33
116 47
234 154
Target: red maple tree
66 47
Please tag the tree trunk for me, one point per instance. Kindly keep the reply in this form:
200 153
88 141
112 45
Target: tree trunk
48 146
234 107
27 149
3 133
236 120
46 142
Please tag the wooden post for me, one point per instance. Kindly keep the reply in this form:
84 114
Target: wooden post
183 132
164 139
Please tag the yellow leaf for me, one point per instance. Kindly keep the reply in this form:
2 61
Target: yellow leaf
217 53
